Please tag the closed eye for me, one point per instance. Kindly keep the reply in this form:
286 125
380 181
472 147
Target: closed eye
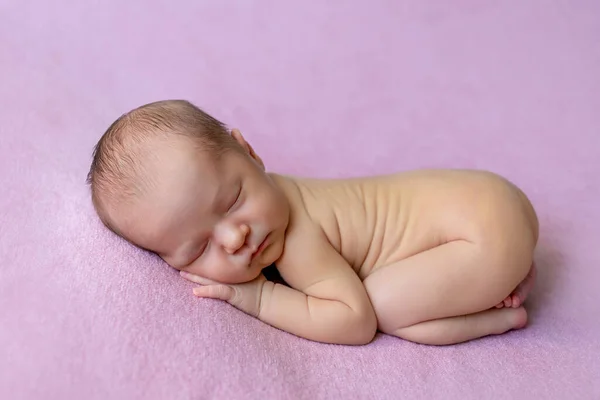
197 254
236 201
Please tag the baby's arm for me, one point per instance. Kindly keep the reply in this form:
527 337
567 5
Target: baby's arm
327 301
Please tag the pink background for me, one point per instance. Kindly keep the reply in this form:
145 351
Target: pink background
322 89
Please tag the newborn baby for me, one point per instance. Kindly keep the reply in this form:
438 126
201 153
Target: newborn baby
434 256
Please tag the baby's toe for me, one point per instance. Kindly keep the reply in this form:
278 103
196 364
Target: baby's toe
516 301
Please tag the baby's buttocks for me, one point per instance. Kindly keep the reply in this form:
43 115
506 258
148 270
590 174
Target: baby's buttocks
427 208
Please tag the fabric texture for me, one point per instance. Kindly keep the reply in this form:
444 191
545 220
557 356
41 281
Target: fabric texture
323 89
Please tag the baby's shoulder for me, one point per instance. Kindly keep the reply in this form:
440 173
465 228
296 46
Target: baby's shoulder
305 215
309 200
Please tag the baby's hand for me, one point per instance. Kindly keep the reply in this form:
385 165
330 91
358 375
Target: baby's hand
244 296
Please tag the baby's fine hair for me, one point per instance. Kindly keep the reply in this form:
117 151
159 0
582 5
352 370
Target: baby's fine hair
117 170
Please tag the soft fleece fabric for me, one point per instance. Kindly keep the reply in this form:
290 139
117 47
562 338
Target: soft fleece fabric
319 88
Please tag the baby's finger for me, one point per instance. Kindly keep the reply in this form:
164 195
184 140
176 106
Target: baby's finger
220 292
196 279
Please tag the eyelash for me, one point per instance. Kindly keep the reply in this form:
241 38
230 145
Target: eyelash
237 199
203 249
199 254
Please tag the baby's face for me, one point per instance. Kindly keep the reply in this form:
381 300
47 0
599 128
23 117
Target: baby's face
224 220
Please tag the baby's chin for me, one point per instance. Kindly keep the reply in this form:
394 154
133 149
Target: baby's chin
255 273
256 270
239 277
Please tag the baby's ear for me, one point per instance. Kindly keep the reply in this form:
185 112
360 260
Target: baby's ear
237 135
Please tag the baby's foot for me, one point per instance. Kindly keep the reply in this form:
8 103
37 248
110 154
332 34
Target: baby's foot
518 296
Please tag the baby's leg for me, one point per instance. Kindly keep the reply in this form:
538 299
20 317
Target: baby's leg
417 297
454 330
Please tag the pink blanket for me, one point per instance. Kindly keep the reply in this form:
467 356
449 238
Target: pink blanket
319 89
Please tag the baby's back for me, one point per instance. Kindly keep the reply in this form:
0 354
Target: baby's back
375 221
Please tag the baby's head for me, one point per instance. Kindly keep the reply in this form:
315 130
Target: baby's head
173 180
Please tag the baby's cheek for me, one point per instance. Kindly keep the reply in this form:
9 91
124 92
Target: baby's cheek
215 267
266 212
196 270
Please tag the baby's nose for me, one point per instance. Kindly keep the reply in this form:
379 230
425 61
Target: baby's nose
235 238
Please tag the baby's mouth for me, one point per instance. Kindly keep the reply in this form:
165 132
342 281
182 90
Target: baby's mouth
260 247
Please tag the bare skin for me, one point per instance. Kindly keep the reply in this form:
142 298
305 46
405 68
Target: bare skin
428 233
433 257
519 295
